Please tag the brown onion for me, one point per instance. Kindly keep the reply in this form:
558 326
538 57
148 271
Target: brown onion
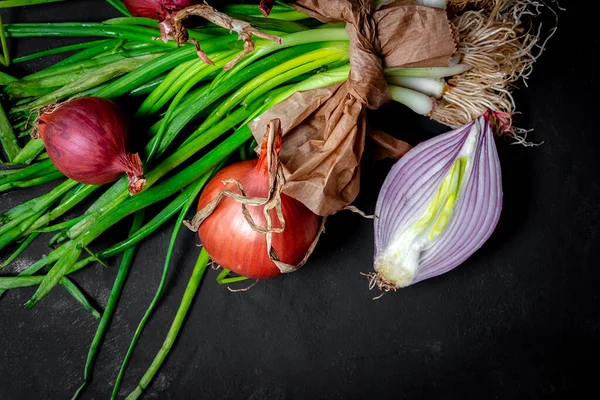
86 139
233 243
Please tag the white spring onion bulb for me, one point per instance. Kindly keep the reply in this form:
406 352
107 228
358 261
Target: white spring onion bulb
429 86
416 101
437 206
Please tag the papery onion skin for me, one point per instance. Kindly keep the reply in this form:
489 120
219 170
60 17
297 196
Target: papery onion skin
266 6
87 139
233 244
157 9
407 253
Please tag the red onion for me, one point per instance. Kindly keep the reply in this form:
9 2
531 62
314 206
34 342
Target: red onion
162 10
229 238
438 205
157 9
86 140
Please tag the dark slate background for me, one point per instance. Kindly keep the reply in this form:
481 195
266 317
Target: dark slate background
520 319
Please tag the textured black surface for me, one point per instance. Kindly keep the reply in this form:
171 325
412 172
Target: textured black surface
520 319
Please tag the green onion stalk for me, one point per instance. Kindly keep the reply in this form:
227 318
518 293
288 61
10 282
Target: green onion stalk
111 304
7 137
188 296
196 187
20 3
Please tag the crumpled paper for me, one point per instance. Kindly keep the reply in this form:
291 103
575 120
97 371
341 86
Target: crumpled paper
325 129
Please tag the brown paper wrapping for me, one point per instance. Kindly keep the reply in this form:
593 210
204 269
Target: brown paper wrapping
325 129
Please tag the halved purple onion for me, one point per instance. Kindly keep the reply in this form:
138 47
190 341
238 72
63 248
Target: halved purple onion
437 206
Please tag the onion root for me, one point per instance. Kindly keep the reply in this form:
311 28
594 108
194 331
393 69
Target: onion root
500 49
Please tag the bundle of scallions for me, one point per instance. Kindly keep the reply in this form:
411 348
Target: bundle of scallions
198 115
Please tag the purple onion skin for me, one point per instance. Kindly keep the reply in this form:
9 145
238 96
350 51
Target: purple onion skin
86 139
408 191
157 9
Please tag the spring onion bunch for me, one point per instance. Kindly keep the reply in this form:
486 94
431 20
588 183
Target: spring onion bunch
181 85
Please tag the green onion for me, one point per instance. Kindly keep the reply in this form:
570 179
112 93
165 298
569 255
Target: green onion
294 39
79 193
16 282
31 182
275 77
156 222
198 73
8 283
148 87
166 85
88 64
90 29
30 239
63 225
111 304
277 25
59 50
224 279
41 168
19 3
7 137
132 21
32 149
32 207
5 60
78 295
35 267
102 75
188 296
197 187
100 48
8 172
156 67
118 4
6 78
